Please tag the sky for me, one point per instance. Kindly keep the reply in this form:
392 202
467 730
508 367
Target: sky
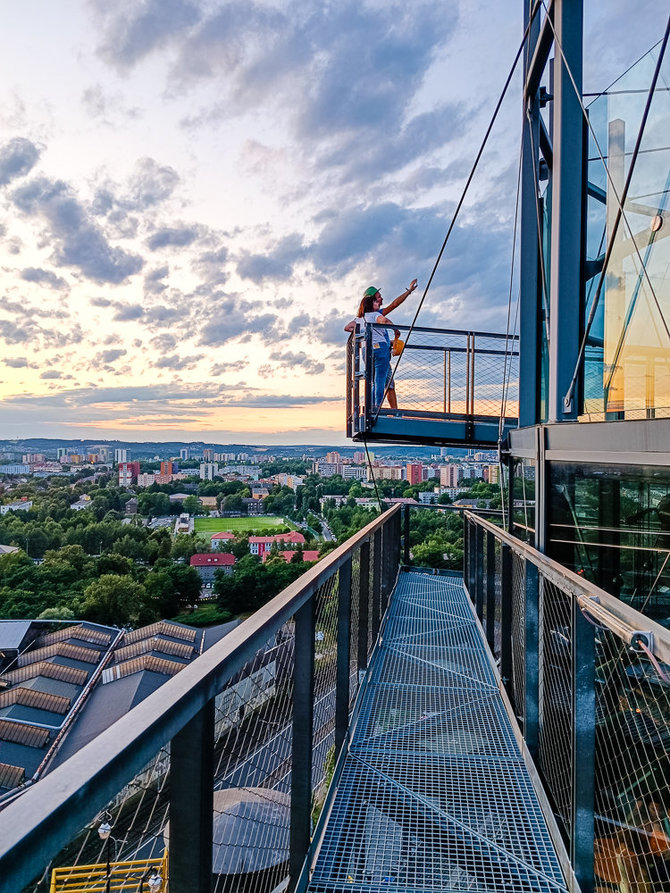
195 193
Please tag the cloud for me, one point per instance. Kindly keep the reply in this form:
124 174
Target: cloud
15 362
51 374
79 242
290 360
233 318
110 356
223 368
17 158
177 362
136 29
276 263
44 277
177 237
125 312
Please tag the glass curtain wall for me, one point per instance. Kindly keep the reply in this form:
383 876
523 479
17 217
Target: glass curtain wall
626 370
612 524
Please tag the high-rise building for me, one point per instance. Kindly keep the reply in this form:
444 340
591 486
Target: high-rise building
184 453
414 473
208 471
128 472
333 457
120 455
359 457
450 475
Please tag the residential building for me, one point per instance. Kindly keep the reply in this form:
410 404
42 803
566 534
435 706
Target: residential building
146 479
354 473
15 469
333 458
253 506
208 471
414 473
389 472
219 540
359 457
21 505
259 545
120 455
128 472
84 502
207 563
450 475
326 469
428 497
491 473
184 453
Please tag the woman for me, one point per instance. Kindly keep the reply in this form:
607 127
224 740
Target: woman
371 311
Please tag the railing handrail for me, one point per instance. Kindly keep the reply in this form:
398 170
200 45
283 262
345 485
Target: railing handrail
611 611
500 336
47 816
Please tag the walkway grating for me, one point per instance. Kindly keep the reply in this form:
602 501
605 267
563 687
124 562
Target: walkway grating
434 793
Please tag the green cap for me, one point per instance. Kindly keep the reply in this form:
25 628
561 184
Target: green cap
370 291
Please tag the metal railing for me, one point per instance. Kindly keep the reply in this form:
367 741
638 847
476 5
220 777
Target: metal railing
442 373
257 717
589 681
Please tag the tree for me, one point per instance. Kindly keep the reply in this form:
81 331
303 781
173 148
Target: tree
192 505
116 600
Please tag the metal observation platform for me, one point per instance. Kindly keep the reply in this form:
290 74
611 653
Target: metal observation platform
453 388
434 792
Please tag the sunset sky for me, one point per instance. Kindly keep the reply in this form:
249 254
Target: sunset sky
194 195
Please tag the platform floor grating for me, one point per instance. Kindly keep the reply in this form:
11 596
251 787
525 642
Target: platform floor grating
434 793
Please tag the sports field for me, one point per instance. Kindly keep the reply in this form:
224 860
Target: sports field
255 522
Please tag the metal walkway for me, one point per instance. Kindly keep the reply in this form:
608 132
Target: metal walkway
434 793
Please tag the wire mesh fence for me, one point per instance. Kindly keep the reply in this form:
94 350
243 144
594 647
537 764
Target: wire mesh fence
601 698
261 769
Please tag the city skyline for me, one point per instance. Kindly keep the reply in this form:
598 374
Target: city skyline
194 196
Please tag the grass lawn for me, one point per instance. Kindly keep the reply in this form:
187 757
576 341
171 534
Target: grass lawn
255 522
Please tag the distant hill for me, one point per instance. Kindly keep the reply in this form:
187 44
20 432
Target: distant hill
148 449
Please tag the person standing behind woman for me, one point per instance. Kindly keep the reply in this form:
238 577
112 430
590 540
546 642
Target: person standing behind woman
371 311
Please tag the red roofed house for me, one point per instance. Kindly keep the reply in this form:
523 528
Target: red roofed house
207 562
259 545
287 555
219 540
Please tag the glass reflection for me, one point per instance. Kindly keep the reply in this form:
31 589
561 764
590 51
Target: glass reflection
627 361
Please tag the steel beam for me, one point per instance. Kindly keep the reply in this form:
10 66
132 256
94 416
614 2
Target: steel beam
363 607
567 209
490 590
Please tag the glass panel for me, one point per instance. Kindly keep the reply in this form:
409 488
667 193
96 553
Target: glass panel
523 506
612 524
627 360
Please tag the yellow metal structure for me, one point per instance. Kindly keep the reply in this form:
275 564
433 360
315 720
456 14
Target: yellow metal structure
122 876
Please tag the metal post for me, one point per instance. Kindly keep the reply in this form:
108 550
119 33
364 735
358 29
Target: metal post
363 607
566 209
301 750
530 283
406 556
506 614
192 804
490 590
368 378
343 650
376 584
479 571
531 659
449 383
583 747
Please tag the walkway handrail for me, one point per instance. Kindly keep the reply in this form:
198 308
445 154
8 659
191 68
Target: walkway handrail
35 827
609 610
589 680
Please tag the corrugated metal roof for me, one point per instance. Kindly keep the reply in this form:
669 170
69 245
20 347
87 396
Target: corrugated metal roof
72 675
31 697
60 649
11 776
23 733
